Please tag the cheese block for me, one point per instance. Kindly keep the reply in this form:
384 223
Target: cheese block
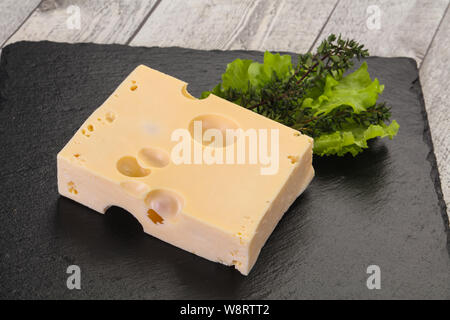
146 150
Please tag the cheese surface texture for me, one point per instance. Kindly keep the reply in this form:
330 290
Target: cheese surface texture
123 156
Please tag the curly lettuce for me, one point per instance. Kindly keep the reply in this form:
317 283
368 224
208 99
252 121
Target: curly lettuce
352 139
356 90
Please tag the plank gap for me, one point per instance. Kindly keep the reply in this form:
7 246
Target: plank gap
434 36
323 27
143 22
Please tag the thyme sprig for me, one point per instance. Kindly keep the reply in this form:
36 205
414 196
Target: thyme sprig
338 118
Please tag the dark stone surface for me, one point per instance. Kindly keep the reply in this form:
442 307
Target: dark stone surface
383 207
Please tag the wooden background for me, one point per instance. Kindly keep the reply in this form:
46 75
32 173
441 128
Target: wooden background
412 28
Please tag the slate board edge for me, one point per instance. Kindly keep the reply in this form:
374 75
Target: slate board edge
434 174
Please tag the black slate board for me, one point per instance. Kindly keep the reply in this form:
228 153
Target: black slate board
383 207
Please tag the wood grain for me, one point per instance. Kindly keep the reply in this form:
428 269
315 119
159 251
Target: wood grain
12 14
250 24
101 21
434 76
406 26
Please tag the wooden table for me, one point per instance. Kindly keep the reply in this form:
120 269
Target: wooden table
412 28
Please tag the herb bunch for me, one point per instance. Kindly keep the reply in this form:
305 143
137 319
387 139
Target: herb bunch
340 112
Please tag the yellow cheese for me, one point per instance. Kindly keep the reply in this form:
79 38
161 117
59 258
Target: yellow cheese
124 155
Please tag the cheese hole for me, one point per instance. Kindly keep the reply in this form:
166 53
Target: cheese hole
110 116
236 263
293 159
90 127
186 93
154 157
154 216
165 203
216 123
121 224
133 87
129 166
71 187
136 189
85 133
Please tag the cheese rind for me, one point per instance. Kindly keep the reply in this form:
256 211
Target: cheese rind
120 157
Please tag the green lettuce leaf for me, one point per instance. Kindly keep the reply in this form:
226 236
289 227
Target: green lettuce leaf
352 138
237 76
261 74
356 90
242 73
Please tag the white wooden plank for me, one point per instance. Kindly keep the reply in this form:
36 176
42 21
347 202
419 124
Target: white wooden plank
199 24
101 21
405 28
435 79
286 25
238 24
12 14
